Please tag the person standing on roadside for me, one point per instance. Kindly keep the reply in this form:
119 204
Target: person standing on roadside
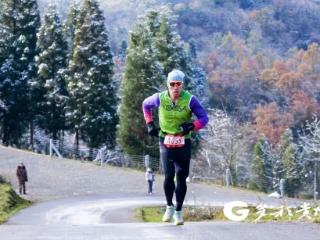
176 107
22 176
150 180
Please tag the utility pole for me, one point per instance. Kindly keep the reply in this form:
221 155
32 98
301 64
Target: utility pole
315 192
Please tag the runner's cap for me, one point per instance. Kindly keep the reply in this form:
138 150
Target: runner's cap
175 75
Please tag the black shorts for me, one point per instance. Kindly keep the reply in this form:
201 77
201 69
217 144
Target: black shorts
180 156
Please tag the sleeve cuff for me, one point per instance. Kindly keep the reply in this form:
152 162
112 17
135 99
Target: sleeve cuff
197 125
148 119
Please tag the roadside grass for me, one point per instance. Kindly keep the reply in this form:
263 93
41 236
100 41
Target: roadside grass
10 202
149 214
208 213
190 213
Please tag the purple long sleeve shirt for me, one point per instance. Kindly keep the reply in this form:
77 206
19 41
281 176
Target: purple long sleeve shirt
196 108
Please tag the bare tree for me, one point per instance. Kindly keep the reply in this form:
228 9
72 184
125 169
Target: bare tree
226 148
310 143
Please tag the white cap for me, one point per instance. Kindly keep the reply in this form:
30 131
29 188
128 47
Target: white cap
175 75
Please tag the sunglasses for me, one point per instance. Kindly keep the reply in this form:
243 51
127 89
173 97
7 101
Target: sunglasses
172 84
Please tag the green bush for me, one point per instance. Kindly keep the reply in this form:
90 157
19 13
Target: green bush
305 195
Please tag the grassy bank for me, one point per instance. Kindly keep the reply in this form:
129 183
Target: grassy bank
10 202
191 214
205 213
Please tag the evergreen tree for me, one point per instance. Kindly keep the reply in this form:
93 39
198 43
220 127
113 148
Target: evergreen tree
92 106
172 52
143 76
310 143
73 19
3 56
169 45
198 86
245 3
291 163
123 49
193 50
154 50
3 43
50 86
262 166
20 21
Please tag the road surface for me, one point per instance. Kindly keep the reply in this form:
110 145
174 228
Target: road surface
76 200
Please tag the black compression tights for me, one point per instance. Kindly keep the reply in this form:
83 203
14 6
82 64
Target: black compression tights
175 162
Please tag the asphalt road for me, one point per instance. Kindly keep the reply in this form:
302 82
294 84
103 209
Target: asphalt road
81 201
98 218
102 218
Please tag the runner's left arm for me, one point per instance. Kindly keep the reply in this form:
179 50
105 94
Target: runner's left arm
200 112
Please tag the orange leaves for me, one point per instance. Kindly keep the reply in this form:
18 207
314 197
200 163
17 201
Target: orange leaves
211 62
296 79
270 122
280 67
309 59
305 69
249 68
214 76
301 71
288 81
303 106
312 55
242 75
269 77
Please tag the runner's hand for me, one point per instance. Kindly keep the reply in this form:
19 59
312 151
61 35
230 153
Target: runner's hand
186 128
152 130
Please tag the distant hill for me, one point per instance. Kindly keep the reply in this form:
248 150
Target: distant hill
283 23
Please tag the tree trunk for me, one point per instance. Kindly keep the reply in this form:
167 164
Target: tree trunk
6 133
76 145
31 135
315 174
90 154
61 140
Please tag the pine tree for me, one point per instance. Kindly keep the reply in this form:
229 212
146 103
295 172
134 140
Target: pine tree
143 76
20 21
123 50
171 52
155 48
262 166
290 161
50 86
193 50
310 143
92 102
3 56
198 86
73 19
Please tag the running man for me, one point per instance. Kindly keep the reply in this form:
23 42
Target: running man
176 107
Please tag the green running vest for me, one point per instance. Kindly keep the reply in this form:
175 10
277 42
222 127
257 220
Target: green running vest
171 116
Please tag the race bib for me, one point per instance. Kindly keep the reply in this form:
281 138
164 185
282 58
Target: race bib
171 141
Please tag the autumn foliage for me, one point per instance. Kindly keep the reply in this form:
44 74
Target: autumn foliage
270 122
258 87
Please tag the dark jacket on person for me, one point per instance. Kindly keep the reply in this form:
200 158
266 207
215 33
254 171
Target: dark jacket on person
22 174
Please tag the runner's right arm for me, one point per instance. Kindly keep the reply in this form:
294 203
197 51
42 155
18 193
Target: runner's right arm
148 105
